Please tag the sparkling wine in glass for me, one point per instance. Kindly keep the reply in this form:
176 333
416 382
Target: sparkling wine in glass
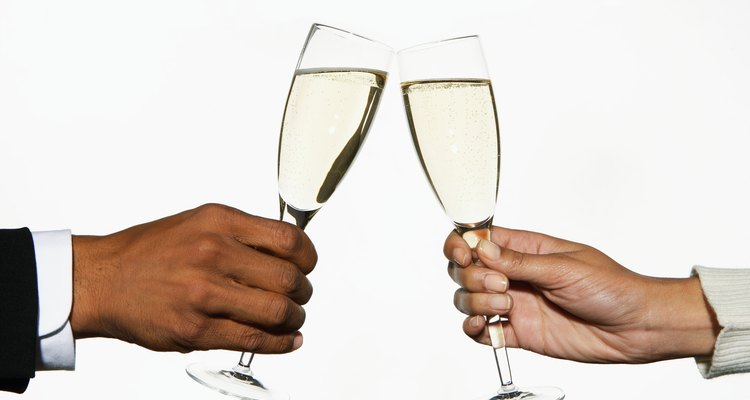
450 106
331 104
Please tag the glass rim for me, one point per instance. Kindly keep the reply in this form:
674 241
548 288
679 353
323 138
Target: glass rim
424 46
346 34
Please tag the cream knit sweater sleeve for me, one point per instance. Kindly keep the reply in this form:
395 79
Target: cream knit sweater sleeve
728 293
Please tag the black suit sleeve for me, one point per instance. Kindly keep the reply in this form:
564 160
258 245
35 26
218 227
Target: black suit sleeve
19 309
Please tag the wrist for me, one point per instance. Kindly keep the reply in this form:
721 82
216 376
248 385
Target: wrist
90 271
682 322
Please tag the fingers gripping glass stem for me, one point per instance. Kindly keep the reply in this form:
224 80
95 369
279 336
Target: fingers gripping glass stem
494 324
242 370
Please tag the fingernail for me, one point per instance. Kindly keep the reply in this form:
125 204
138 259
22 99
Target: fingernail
495 283
488 249
459 257
474 321
297 341
499 302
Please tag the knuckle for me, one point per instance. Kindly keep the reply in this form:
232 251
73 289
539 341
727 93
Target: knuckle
472 278
311 262
517 261
281 310
212 209
199 294
459 300
301 320
253 340
208 210
209 247
290 279
306 294
215 213
288 238
467 329
191 332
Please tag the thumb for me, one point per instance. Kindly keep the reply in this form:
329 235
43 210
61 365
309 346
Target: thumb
532 268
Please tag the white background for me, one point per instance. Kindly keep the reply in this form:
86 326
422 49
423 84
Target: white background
624 125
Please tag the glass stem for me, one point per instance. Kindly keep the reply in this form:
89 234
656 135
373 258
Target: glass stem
294 216
472 236
503 368
246 359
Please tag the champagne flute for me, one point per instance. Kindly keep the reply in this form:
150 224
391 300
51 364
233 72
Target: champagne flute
451 110
332 101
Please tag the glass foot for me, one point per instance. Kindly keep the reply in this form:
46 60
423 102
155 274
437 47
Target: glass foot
532 393
238 382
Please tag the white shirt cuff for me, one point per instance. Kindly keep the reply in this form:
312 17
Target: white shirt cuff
54 270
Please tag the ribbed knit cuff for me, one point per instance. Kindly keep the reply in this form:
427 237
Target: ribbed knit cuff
728 293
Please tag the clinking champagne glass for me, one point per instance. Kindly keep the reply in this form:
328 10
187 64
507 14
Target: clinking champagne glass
334 94
451 110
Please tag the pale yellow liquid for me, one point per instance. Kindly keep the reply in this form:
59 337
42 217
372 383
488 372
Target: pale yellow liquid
327 116
455 131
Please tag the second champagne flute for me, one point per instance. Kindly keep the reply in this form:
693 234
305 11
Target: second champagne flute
332 101
451 110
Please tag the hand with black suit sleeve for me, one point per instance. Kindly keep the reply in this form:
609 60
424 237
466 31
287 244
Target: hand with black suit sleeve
209 278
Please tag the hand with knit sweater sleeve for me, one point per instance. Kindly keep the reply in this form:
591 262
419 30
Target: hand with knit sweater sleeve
571 301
